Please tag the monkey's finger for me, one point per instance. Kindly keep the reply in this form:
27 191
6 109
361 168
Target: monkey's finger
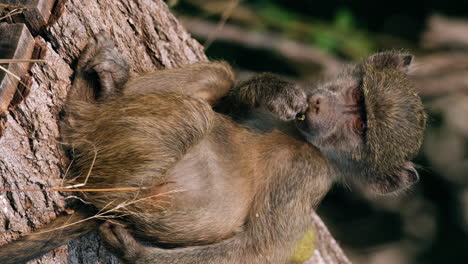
108 236
123 235
283 111
104 40
128 243
87 54
119 240
97 43
301 108
300 104
100 47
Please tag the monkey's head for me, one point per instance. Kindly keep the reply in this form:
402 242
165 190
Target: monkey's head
369 122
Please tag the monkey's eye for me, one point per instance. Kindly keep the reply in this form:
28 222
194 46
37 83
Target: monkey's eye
359 125
357 94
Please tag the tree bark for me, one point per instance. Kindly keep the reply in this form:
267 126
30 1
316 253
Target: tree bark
31 154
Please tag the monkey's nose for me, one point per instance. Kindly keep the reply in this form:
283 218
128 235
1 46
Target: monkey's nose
314 104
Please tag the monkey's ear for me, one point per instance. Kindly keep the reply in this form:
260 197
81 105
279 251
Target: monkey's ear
400 180
391 59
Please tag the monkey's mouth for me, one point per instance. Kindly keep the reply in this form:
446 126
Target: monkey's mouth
305 123
301 117
301 122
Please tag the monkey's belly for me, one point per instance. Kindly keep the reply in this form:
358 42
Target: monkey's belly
203 206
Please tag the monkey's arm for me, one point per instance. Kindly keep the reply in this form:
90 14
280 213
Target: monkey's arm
278 218
209 81
282 98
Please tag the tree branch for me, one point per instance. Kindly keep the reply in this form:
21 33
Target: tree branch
292 50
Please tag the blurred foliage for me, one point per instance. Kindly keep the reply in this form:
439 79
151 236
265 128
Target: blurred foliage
342 36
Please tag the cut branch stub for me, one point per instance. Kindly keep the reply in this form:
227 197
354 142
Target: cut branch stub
15 43
36 12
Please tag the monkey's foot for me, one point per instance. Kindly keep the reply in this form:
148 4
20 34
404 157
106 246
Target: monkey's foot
101 56
119 241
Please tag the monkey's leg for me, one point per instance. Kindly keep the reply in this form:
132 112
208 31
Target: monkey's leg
209 81
131 141
278 218
282 98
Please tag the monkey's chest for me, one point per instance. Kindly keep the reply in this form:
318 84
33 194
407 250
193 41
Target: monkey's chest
209 200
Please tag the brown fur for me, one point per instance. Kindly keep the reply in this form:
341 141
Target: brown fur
224 190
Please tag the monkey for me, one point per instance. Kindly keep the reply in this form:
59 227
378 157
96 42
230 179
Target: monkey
230 187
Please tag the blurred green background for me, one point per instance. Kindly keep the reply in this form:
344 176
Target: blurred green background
309 40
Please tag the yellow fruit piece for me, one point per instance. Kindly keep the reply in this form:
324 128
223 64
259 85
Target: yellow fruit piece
304 249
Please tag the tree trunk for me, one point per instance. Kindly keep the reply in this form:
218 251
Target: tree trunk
31 155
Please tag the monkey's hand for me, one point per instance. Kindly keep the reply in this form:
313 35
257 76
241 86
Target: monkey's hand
120 242
282 98
286 103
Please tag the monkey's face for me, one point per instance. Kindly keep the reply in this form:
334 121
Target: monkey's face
369 122
335 118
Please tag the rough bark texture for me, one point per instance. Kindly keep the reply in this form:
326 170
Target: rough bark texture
31 155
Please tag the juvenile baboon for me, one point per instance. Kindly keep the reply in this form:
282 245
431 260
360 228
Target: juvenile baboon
226 190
